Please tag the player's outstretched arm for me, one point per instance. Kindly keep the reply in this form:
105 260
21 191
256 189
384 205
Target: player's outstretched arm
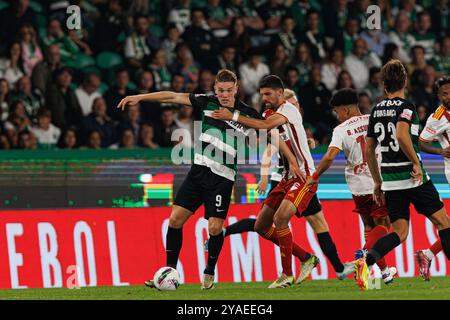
162 97
427 147
405 143
293 165
273 121
324 164
265 170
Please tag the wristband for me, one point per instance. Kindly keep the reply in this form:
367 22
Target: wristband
236 115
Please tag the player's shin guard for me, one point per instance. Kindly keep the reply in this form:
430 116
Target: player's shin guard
297 251
382 247
244 225
329 249
174 240
444 234
285 239
373 236
214 248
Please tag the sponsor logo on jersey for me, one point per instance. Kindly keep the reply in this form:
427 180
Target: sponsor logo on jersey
406 114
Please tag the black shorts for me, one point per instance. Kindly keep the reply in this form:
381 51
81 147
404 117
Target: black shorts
425 199
313 207
202 186
273 184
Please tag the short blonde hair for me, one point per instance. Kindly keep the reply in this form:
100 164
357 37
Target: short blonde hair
288 93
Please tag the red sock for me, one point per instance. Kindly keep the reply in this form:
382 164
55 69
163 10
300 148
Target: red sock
436 247
372 237
297 251
285 239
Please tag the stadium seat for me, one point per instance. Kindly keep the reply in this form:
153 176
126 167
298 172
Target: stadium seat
107 60
83 61
3 4
36 6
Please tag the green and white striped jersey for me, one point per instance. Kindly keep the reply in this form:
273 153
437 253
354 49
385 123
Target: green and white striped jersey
395 166
220 140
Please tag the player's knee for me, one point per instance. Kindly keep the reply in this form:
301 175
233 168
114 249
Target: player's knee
280 220
215 229
402 234
260 228
175 221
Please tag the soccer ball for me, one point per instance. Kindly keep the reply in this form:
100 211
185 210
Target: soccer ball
167 279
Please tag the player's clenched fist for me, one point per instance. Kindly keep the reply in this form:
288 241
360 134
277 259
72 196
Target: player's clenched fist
128 101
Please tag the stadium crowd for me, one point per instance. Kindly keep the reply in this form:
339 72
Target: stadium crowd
59 88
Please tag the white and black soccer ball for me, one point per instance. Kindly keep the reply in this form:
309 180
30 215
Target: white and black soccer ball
167 279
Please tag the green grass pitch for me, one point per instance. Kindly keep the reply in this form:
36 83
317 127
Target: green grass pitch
402 289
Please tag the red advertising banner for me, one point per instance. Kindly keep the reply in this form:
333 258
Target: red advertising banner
103 247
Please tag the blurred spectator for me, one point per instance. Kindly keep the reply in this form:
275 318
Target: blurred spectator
67 48
141 43
177 83
239 37
286 36
62 101
160 70
440 17
27 141
422 112
271 13
375 89
165 128
364 103
185 121
169 44
417 64
186 66
303 62
132 120
292 79
358 10
387 18
16 123
314 97
31 52
217 18
348 36
94 140
313 36
46 133
299 8
88 91
424 35
200 39
409 8
32 99
146 137
402 37
111 25
441 60
42 75
12 18
4 100
251 73
205 83
99 121
332 68
117 92
250 18
279 61
359 62
80 38
150 111
11 67
344 81
126 140
4 142
226 59
376 40
68 139
391 51
424 93
335 18
181 15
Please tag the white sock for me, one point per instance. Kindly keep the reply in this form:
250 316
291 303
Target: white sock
385 271
428 254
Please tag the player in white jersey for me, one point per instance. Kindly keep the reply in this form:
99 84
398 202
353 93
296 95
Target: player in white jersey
292 196
437 128
349 137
